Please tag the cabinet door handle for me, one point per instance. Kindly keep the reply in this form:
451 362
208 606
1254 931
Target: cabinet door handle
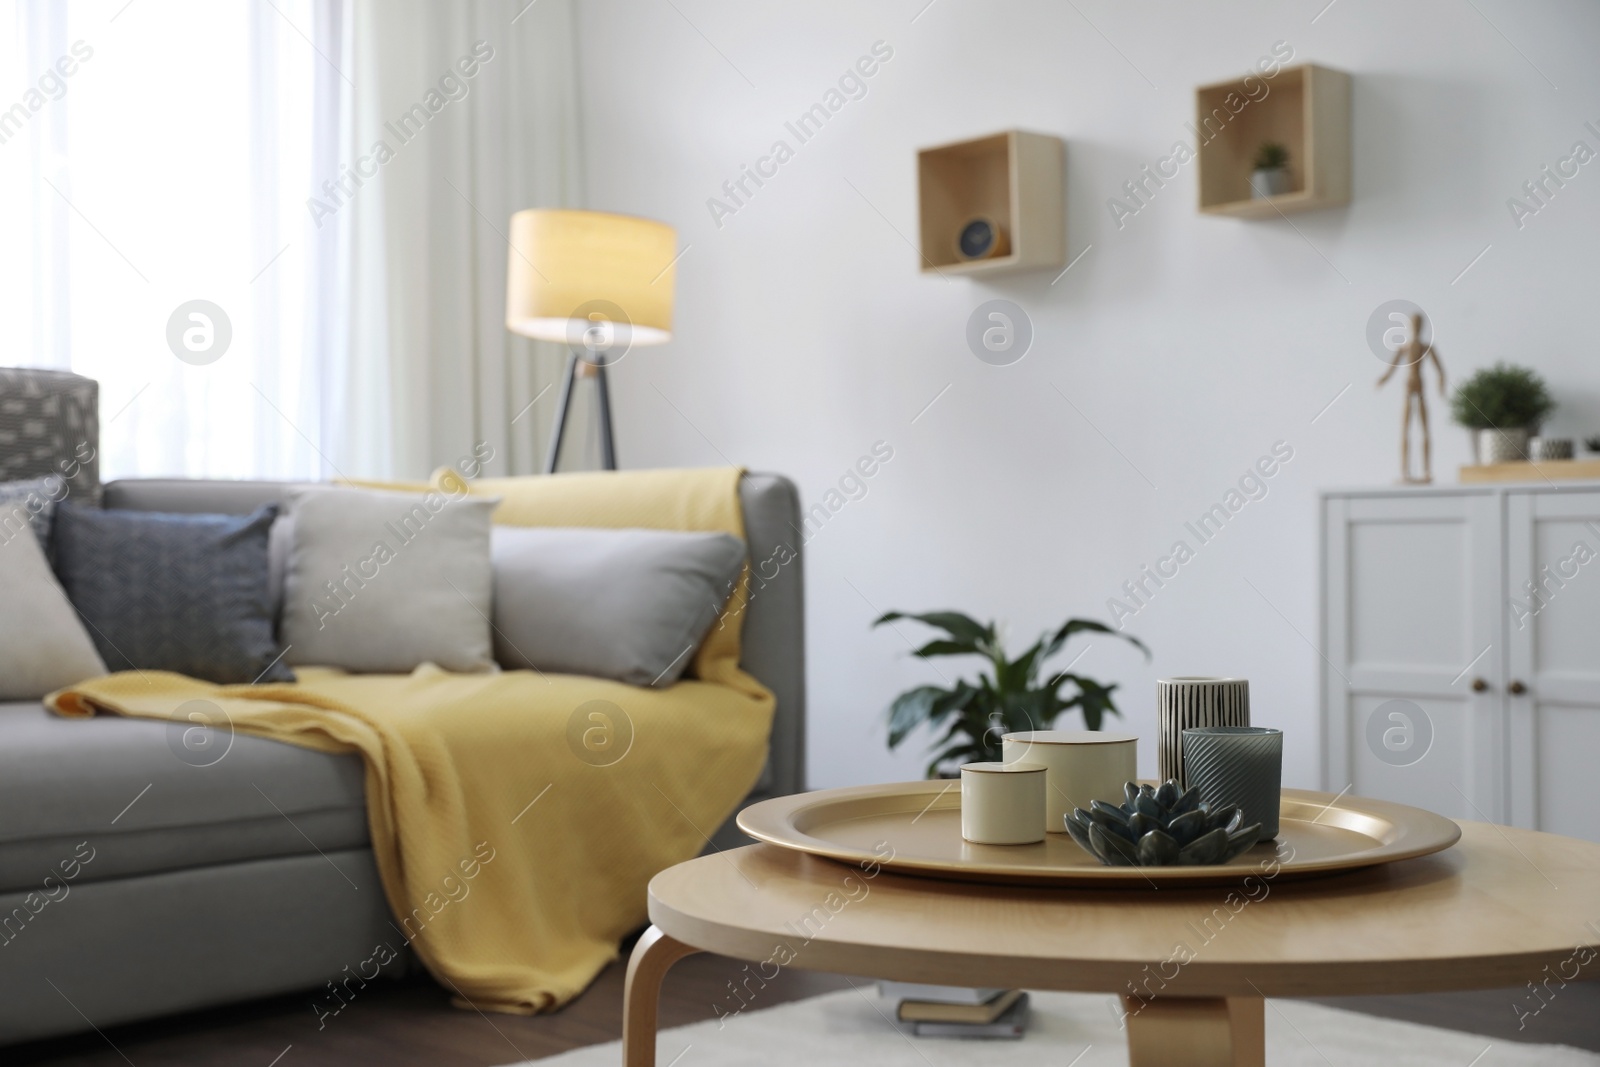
1517 688
1479 685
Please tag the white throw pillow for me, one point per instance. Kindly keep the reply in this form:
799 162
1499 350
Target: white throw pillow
43 645
381 582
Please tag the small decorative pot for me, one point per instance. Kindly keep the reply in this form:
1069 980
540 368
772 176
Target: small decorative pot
1184 703
1542 448
1502 446
1080 765
1240 765
1269 181
1000 803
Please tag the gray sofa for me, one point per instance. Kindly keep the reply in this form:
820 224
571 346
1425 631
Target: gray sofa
169 887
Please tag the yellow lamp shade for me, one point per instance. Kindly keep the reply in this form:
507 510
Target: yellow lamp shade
570 272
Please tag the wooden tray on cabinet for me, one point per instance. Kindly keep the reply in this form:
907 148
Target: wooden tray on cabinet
914 828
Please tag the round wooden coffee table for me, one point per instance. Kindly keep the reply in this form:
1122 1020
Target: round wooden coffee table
1192 965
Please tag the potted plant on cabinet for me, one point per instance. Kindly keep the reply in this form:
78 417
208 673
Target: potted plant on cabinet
1008 696
1503 405
1271 176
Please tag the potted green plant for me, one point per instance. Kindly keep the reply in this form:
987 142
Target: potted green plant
1271 176
1592 444
1008 694
1503 405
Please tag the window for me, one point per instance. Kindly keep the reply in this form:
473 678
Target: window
155 154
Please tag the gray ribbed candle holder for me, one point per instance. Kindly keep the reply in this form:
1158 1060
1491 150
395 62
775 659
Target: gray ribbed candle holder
1240 765
1184 703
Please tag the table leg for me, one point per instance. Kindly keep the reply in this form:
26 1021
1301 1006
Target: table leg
1197 1031
654 953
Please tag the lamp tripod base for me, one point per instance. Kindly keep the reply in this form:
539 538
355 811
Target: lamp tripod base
608 448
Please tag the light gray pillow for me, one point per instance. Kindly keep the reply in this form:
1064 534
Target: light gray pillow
43 645
381 582
630 605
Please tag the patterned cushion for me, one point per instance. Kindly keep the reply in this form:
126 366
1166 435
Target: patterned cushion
185 593
50 425
30 503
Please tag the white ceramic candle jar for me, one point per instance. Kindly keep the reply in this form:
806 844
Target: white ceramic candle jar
1080 766
1000 803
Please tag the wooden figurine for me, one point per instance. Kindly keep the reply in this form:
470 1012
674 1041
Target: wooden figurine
1411 355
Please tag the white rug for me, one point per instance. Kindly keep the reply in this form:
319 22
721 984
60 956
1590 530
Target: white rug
1067 1030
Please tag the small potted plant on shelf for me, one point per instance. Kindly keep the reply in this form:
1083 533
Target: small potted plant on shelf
1504 406
1271 176
1008 696
1592 444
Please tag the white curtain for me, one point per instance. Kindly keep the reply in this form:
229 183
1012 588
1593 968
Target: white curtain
205 151
465 112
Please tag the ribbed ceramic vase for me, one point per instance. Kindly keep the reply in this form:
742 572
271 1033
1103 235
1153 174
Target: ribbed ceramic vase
1185 703
1240 765
1541 449
1502 446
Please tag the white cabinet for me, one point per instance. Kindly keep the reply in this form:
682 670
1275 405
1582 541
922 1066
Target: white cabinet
1461 650
1552 631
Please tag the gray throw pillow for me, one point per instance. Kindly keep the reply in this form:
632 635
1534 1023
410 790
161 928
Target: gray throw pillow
167 592
630 605
43 645
32 503
382 582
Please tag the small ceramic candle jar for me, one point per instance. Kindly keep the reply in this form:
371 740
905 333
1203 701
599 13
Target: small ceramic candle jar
1240 765
1000 803
1080 766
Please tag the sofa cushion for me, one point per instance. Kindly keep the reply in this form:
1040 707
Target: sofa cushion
630 605
184 593
185 496
31 503
383 582
50 425
43 645
147 798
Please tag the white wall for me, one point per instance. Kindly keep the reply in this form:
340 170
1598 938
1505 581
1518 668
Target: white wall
1189 344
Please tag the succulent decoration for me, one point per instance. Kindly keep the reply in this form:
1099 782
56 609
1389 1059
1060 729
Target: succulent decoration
1162 827
1592 443
1502 397
1271 156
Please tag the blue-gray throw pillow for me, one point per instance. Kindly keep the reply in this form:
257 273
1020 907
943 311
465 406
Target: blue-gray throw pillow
184 593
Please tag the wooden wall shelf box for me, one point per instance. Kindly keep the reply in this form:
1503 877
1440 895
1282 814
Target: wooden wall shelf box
1555 470
1306 109
1015 178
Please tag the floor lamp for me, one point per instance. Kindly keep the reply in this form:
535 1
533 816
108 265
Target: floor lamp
601 283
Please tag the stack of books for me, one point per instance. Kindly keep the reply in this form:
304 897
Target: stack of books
954 1011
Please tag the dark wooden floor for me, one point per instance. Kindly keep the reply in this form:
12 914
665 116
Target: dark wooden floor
411 1022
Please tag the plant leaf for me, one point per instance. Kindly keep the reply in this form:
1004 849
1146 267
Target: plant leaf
1093 699
910 710
942 647
1021 672
955 699
959 626
1073 626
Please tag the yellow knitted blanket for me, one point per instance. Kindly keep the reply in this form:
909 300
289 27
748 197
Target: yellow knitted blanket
518 817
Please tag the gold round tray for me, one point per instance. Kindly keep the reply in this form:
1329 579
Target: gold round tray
915 828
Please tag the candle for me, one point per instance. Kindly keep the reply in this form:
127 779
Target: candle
1000 803
1080 766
